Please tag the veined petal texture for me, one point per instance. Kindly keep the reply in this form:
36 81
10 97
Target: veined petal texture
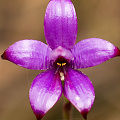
31 54
60 24
92 51
45 91
79 90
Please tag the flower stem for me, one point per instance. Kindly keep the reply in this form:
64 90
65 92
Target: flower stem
67 110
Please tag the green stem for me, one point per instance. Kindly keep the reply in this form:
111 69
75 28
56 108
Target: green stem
67 110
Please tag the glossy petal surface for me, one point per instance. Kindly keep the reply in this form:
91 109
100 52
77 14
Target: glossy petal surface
45 91
31 54
93 51
60 24
79 90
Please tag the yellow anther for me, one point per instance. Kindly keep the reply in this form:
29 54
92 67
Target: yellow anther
61 64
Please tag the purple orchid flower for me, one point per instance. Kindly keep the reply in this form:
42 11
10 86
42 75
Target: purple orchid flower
60 58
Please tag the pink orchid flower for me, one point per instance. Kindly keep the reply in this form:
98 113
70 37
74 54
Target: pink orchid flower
60 59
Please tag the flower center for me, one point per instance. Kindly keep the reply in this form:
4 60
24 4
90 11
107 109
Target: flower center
61 56
61 61
61 64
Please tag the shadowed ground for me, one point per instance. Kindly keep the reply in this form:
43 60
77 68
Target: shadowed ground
24 20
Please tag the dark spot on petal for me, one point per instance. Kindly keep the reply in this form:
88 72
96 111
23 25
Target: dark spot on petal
117 52
84 113
39 114
3 56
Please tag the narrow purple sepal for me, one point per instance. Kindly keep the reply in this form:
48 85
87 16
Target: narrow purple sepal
60 24
78 89
45 91
31 54
92 51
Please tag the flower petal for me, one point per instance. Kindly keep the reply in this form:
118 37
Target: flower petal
60 24
45 91
93 51
79 90
31 54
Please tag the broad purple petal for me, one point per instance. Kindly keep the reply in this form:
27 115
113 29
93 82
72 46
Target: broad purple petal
45 91
31 54
60 24
79 90
93 51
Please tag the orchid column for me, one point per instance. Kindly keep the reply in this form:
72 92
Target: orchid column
60 59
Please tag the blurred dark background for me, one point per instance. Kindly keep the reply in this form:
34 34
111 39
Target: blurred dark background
24 19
